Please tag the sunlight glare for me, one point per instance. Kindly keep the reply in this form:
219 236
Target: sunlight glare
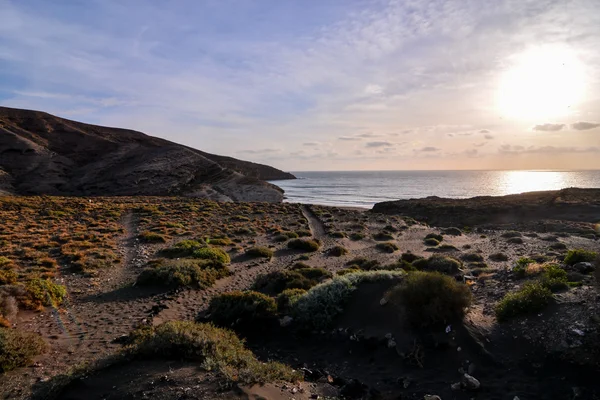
544 83
531 181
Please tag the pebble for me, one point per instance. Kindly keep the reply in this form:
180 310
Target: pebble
383 302
432 397
470 383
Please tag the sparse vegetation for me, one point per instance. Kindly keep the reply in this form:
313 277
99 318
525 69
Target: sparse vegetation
43 292
287 298
357 236
242 309
435 236
17 348
261 252
304 244
446 265
431 242
185 272
218 350
387 247
531 298
579 255
383 236
498 257
431 298
337 235
338 251
152 237
276 282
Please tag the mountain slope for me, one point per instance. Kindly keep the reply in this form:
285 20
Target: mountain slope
44 154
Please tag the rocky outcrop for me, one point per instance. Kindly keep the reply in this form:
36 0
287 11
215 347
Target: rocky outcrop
44 154
573 204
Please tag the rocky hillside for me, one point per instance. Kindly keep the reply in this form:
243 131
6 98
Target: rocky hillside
515 211
44 154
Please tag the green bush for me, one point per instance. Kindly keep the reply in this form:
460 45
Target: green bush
276 282
531 298
192 273
290 235
318 308
219 241
554 278
431 242
219 350
357 236
446 265
409 257
281 238
363 263
17 348
498 257
337 235
303 233
287 298
435 236
304 244
338 251
242 309
383 236
262 252
431 298
44 292
211 253
184 248
350 270
579 255
152 237
387 247
472 257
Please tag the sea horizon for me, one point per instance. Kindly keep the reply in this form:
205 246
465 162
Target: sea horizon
365 188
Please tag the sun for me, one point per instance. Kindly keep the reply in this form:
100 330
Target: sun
543 83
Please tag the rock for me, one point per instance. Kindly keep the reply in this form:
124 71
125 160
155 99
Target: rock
432 397
285 321
455 386
383 301
391 343
584 267
388 336
471 369
470 383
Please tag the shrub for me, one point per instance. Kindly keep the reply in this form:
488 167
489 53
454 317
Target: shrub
531 298
262 252
281 238
304 244
17 349
409 257
219 241
211 253
184 248
511 234
8 277
387 247
363 263
498 257
337 235
152 237
276 282
447 265
515 240
287 298
303 233
435 236
472 257
431 299
219 350
43 292
431 242
242 309
318 307
338 251
290 235
383 236
349 270
579 255
554 278
194 273
452 231
357 236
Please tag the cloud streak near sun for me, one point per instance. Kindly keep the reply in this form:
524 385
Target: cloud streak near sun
330 86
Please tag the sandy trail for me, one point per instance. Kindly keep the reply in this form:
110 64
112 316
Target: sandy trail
316 226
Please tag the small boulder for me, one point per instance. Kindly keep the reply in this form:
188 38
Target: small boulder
584 267
432 397
285 321
469 382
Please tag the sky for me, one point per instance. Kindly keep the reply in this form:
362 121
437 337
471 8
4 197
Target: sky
321 84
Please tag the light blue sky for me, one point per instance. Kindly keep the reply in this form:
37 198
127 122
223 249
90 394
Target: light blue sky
321 84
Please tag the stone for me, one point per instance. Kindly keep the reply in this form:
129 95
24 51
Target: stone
285 321
583 267
432 397
383 301
455 386
470 383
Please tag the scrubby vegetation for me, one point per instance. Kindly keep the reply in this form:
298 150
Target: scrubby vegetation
498 257
383 236
17 348
431 242
304 244
431 298
435 236
287 298
579 255
152 237
338 251
387 247
446 265
531 298
184 272
261 252
218 350
276 282
322 304
242 309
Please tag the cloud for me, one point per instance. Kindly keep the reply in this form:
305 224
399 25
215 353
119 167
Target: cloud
548 127
367 135
479 144
484 131
582 126
378 144
508 149
310 144
348 138
488 137
259 151
428 149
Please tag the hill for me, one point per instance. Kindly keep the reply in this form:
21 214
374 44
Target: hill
44 154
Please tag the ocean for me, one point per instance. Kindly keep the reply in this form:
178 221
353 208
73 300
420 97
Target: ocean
365 188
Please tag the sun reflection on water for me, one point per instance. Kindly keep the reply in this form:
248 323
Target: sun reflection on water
513 182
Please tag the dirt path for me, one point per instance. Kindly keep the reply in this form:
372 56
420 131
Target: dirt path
316 226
